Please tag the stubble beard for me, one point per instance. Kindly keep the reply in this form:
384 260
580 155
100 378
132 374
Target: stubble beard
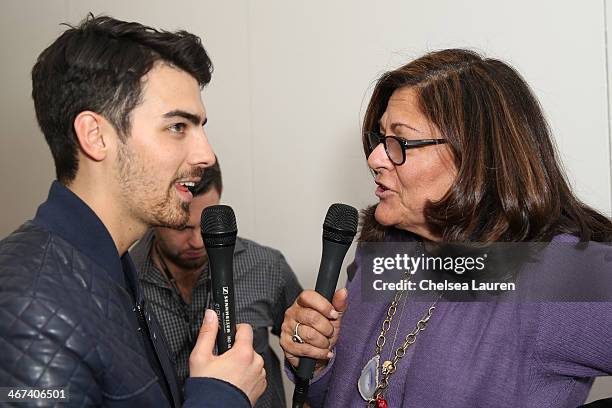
174 256
140 193
183 263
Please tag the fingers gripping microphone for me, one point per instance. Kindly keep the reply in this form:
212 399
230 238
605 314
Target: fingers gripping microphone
339 229
218 227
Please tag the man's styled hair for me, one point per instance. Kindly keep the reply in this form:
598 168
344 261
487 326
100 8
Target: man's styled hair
98 66
211 178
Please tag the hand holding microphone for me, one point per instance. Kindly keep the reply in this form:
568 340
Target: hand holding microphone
237 362
312 324
219 231
319 327
241 366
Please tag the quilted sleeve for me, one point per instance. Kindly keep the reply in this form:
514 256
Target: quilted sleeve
42 348
206 392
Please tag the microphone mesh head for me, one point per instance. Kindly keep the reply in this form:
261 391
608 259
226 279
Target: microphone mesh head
340 223
218 226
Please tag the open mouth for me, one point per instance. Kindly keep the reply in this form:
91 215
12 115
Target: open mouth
381 190
187 185
381 186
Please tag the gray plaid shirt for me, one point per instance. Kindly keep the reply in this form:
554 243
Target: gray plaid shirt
265 286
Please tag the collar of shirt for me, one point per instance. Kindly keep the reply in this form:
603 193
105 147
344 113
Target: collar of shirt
148 272
66 215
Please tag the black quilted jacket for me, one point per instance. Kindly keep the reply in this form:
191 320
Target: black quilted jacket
65 322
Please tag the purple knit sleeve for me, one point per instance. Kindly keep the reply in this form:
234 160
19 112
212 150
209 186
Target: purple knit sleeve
575 338
318 385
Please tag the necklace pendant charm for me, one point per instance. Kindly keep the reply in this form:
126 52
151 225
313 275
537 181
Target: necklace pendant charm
381 402
368 380
388 368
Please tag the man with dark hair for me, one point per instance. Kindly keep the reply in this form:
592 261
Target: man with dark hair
120 107
174 274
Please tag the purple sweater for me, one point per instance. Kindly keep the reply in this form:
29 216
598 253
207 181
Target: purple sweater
486 354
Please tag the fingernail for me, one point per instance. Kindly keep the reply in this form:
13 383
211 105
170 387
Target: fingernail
209 316
334 314
330 354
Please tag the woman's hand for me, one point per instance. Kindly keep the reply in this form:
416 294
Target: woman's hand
319 327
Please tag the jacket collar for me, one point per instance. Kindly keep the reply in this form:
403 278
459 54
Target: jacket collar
66 215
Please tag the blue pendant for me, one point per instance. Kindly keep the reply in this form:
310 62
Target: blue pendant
368 381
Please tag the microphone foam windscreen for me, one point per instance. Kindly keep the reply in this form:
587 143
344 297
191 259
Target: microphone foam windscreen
218 225
340 223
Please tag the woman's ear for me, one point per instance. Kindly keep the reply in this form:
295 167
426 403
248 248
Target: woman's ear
88 128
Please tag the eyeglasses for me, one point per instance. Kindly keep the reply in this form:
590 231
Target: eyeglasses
396 146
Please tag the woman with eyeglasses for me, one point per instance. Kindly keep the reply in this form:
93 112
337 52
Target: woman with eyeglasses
461 153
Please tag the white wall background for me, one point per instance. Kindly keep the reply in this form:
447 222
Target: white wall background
290 85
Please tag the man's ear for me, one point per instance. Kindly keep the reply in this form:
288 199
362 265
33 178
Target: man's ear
92 140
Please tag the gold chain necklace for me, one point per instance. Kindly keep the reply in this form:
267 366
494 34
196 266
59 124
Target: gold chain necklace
397 326
369 374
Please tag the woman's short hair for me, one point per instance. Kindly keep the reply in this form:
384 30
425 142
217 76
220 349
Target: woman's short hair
509 184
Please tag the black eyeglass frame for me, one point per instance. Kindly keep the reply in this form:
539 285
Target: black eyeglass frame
405 144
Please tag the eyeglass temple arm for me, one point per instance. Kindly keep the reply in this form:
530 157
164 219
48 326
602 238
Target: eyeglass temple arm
424 142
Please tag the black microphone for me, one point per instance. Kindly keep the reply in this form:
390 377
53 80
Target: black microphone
218 228
339 229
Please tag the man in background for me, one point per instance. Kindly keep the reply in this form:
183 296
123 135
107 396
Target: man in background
174 273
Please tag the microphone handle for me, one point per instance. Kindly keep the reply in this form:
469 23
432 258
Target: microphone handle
327 279
222 278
